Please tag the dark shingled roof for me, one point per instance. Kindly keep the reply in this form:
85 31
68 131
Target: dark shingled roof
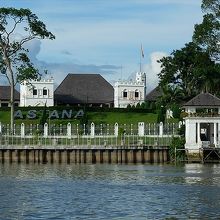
5 92
154 94
84 88
204 99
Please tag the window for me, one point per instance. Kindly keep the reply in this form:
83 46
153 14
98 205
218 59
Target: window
4 104
136 94
125 94
34 91
44 91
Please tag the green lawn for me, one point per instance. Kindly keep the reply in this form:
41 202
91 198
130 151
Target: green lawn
121 118
4 117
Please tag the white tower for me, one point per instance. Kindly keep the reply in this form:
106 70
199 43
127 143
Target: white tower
37 93
141 77
130 92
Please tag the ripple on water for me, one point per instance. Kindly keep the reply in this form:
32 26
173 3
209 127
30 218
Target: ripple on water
81 191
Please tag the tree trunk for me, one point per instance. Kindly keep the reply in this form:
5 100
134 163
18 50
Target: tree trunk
12 85
12 108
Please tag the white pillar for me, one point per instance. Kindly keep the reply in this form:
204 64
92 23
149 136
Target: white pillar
22 130
180 124
116 129
215 134
45 130
69 130
198 135
187 130
154 129
218 133
92 133
190 134
161 129
141 129
0 127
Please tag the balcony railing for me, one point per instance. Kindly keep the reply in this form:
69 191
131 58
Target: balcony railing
200 114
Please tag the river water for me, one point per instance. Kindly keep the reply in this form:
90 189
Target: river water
49 191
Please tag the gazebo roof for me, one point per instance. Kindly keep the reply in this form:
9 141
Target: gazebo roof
203 99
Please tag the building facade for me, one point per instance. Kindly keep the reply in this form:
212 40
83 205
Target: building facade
37 93
130 92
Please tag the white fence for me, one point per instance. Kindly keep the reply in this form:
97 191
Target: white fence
88 136
71 130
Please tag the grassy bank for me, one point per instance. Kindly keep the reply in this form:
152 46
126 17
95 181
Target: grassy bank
98 117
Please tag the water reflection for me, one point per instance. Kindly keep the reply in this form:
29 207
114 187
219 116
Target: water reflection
203 175
109 191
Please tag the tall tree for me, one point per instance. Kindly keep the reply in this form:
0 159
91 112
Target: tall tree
17 27
207 34
193 68
187 72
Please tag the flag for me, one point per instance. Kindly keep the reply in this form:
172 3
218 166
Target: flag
142 51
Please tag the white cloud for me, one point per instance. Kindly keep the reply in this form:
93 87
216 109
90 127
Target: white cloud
58 70
152 69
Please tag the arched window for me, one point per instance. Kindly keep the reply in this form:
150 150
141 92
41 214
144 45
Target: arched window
44 91
125 94
136 94
34 91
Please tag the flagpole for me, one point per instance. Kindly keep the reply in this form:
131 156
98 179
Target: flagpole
140 57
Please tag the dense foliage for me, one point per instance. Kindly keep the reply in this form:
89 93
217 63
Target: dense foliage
193 69
207 34
187 72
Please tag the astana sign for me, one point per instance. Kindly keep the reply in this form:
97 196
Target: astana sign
52 114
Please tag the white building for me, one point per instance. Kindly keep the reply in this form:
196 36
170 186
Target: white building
202 122
130 92
37 93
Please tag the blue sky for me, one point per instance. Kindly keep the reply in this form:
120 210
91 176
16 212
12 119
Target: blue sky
100 36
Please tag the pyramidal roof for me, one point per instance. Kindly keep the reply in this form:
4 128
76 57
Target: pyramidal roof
5 93
204 99
154 94
84 88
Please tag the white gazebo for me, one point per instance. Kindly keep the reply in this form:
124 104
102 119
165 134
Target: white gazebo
202 122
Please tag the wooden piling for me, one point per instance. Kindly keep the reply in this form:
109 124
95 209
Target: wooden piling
67 156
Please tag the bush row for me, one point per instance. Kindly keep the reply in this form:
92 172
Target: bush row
87 109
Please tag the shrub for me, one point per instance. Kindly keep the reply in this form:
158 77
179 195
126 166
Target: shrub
138 106
176 110
177 144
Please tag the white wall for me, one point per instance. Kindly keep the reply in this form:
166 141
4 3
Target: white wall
139 85
27 97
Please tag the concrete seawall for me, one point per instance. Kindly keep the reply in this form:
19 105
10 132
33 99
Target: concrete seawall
68 156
